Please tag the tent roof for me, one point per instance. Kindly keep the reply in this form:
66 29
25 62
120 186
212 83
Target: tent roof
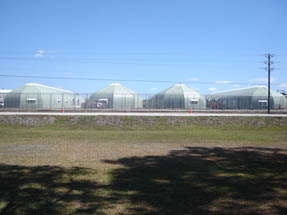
38 88
115 88
5 91
248 91
180 89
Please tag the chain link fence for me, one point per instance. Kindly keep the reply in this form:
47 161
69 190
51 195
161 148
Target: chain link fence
59 101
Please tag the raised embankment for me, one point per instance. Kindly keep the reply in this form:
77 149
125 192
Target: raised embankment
146 122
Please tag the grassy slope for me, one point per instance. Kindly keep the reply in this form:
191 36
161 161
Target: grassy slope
160 169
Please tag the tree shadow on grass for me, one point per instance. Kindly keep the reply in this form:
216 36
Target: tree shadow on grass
46 190
202 180
196 180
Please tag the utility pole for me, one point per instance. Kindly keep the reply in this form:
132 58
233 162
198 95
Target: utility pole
269 65
269 62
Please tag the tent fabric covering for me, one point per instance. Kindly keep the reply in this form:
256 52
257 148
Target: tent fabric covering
115 96
37 96
247 98
178 96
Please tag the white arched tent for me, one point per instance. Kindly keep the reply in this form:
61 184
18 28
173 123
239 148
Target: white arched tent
178 96
248 98
115 96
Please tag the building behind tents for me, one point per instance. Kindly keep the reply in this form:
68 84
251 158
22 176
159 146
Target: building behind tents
247 98
3 94
115 96
283 92
178 96
37 96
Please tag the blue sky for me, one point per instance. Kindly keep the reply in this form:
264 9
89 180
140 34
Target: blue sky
217 41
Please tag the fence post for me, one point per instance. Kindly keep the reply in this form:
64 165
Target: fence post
63 103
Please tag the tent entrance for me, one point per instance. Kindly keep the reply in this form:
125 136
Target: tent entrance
31 103
193 101
262 104
102 103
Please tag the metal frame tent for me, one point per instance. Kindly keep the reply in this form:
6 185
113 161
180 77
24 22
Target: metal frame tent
115 96
37 96
247 98
178 96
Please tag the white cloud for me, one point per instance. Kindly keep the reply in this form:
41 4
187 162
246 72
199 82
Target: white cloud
68 73
40 53
212 89
193 79
236 85
283 85
195 88
263 80
223 82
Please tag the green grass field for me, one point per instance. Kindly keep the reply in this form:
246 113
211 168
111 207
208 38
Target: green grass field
67 168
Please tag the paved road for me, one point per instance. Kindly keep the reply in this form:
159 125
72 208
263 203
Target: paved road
138 114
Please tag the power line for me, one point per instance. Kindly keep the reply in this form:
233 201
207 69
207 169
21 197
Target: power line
80 60
269 62
127 80
180 53
147 62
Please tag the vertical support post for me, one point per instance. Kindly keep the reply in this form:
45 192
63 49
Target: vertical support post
87 102
50 100
269 69
62 102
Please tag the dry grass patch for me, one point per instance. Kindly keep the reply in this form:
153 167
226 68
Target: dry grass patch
171 170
